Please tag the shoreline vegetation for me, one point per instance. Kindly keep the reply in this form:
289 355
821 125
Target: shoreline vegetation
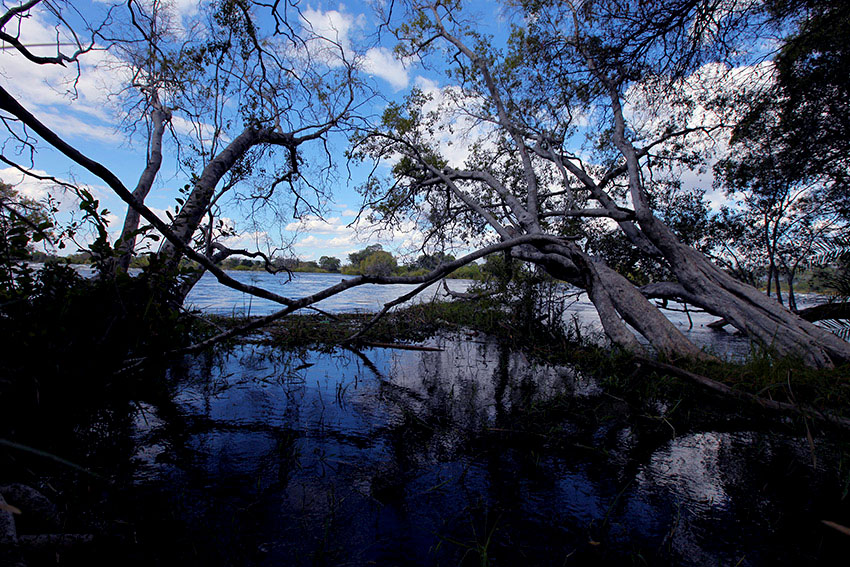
373 260
777 387
819 280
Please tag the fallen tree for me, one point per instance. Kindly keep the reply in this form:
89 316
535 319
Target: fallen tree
524 174
232 102
522 183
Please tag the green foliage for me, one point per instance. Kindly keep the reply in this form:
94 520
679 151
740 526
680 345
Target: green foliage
532 301
65 336
23 222
467 272
429 262
371 261
356 257
379 263
329 264
796 132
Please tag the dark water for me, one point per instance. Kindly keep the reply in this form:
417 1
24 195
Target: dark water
391 457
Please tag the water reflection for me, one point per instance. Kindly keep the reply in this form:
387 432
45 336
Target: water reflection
423 458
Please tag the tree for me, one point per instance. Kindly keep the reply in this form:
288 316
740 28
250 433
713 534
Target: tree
524 176
431 261
800 121
330 264
378 263
789 162
357 258
23 221
254 101
252 97
253 91
630 70
371 261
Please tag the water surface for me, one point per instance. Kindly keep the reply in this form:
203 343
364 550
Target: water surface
393 457
211 297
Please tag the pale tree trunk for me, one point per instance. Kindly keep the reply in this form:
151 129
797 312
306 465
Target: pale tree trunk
618 301
189 218
744 307
704 284
126 245
644 317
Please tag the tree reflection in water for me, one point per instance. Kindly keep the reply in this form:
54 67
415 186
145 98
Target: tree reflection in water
474 452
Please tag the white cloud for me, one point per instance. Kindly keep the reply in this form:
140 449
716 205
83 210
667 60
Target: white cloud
333 25
349 240
69 125
200 131
186 7
308 242
73 105
332 237
454 132
317 225
381 62
334 39
182 8
257 240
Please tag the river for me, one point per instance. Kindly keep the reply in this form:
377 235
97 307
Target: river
211 297
470 454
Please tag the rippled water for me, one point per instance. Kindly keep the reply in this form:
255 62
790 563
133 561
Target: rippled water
211 297
390 457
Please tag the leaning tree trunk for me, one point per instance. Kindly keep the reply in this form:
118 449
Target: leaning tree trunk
126 246
618 301
704 284
644 317
744 307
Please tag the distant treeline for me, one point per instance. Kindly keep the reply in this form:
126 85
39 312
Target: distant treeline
372 260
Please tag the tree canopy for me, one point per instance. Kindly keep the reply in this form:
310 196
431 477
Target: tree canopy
632 80
567 143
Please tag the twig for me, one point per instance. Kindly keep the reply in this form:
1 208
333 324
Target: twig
47 455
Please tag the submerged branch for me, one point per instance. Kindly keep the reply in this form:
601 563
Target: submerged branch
719 387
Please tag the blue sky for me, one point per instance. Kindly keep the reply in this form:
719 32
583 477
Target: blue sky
90 119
